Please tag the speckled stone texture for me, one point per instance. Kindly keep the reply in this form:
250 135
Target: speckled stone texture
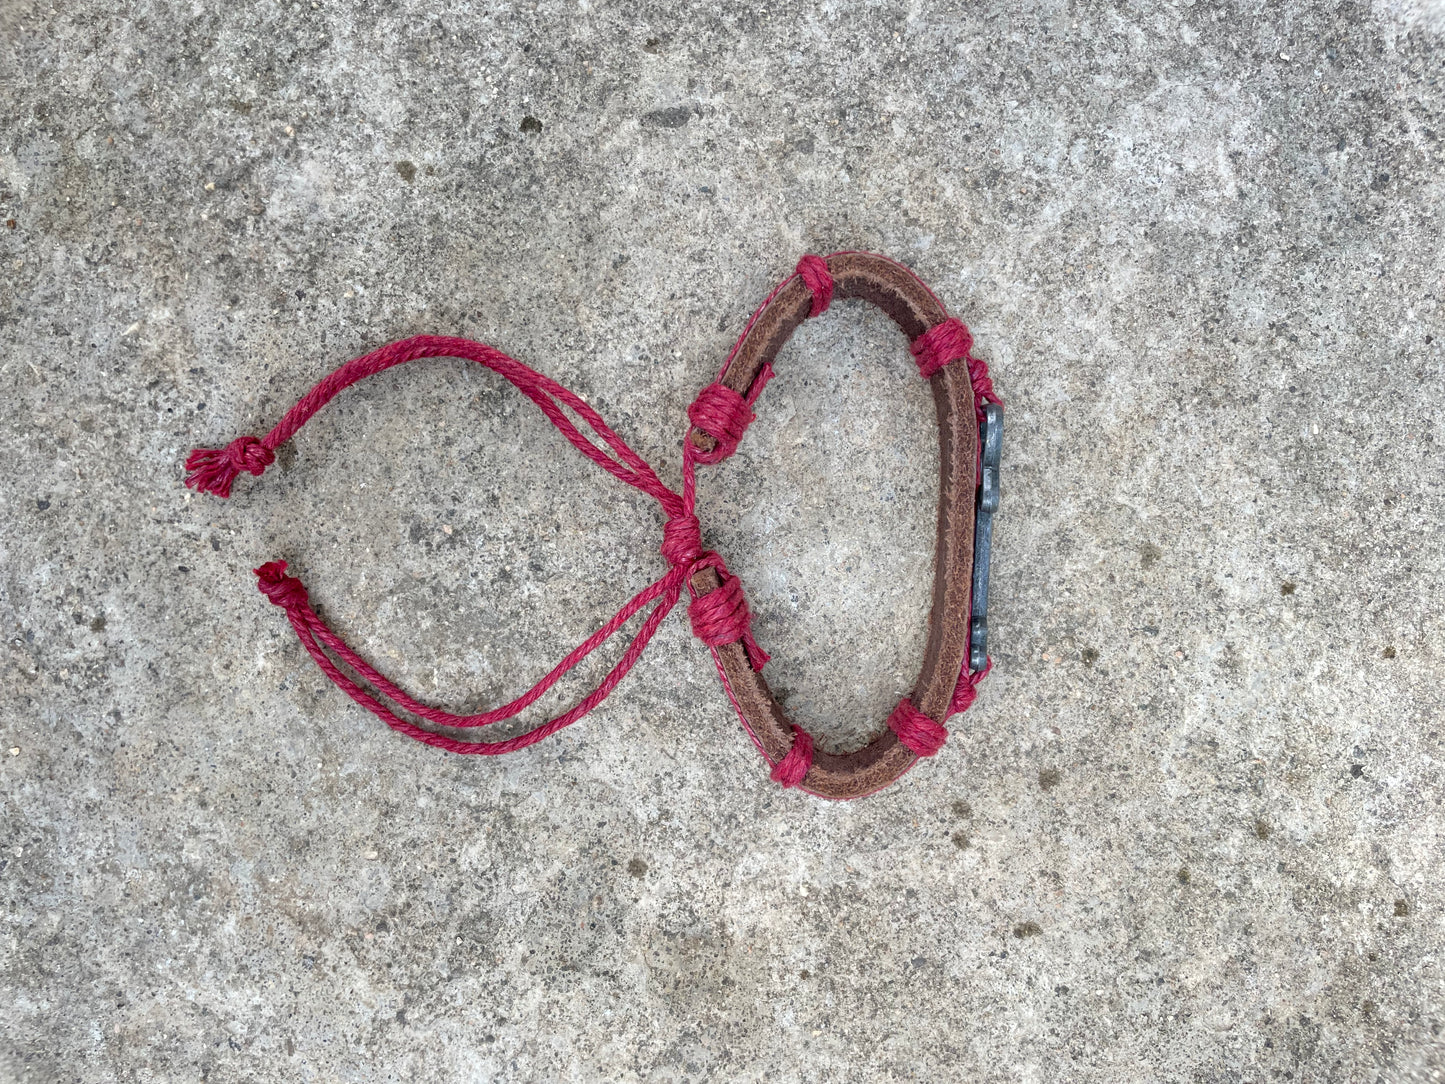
1191 831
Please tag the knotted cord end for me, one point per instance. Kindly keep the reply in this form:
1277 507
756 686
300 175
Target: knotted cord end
923 735
789 771
212 470
285 591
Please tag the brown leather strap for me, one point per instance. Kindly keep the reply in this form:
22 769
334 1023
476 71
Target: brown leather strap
904 297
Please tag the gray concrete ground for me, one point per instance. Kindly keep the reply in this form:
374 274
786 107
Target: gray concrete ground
1193 828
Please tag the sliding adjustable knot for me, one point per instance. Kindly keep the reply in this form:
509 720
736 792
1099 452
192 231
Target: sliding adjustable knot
792 768
722 414
214 469
682 540
722 616
940 345
285 591
815 275
923 735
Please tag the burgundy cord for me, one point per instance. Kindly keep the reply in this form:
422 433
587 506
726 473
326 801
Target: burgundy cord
719 617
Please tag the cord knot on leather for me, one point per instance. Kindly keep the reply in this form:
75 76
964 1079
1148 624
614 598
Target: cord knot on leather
682 540
965 692
982 384
923 735
722 617
722 414
212 470
285 591
819 280
941 344
792 768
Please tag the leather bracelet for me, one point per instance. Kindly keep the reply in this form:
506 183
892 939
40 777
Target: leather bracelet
912 306
718 610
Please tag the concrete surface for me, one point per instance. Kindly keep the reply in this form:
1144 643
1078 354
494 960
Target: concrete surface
1193 828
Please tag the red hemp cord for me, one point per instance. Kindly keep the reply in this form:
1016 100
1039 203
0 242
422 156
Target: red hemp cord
719 617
